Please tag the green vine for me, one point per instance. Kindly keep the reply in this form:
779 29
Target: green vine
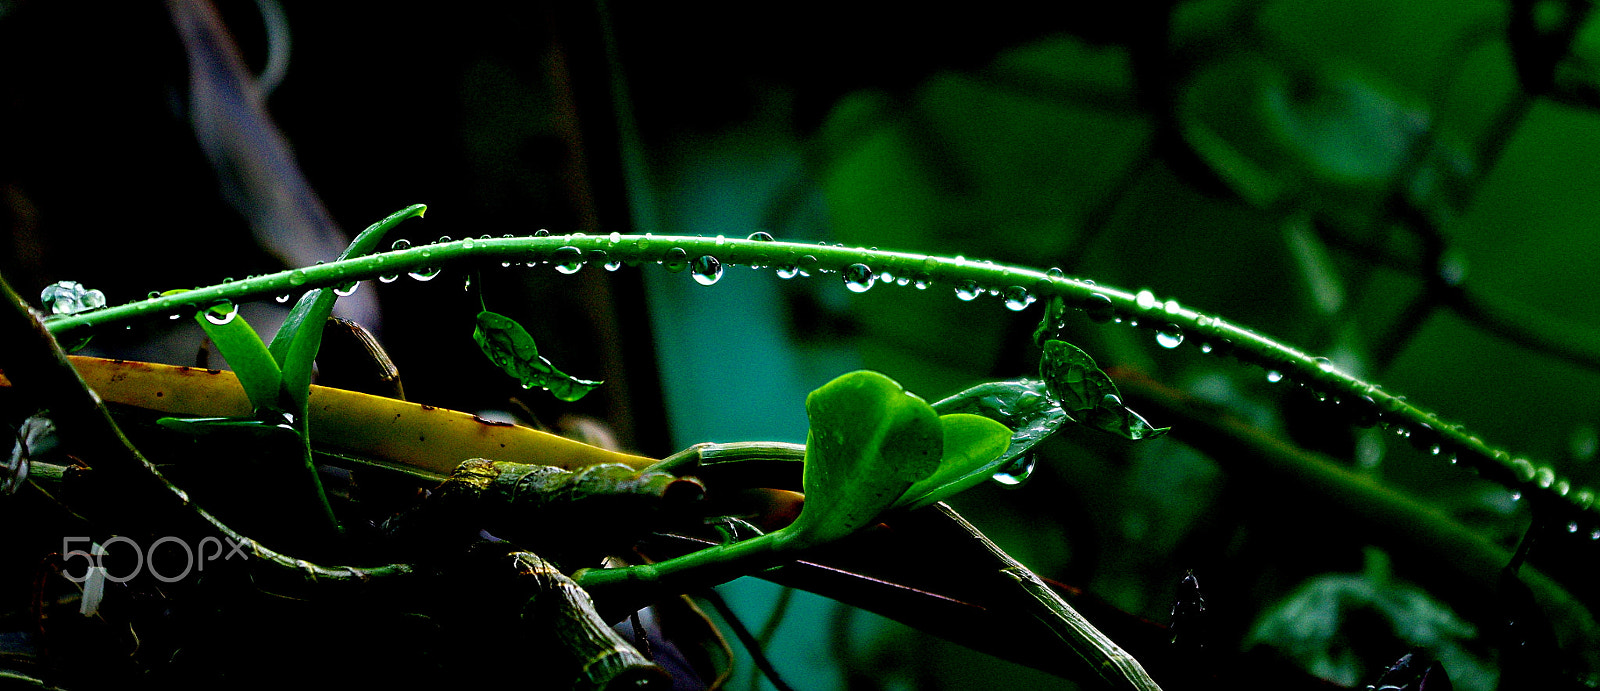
860 269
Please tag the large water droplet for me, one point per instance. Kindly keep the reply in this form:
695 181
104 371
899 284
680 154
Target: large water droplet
1018 298
346 289
222 313
676 260
1169 336
1544 477
567 259
442 239
706 270
788 272
859 278
760 236
1146 299
541 233
401 244
807 264
1016 472
388 278
1274 376
469 243
968 290
1098 308
426 273
282 298
1055 272
70 297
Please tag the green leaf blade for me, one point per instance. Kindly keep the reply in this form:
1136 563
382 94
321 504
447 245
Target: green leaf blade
973 447
511 348
295 345
245 352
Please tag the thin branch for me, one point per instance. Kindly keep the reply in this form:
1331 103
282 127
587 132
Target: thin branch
1103 303
746 639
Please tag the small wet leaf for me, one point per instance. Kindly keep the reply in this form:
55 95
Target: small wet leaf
511 348
1023 406
1073 378
1076 382
870 440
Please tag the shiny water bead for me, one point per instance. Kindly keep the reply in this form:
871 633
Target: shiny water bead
1523 469
859 278
282 298
1274 376
1169 336
968 290
469 243
388 278
1018 298
1055 272
1016 472
1544 477
567 259
788 271
347 289
70 297
221 313
706 270
1098 308
807 265
760 236
426 273
297 277
676 260
1146 299
541 233
1172 307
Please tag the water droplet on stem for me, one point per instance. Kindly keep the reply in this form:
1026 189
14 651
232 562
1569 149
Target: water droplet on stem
706 270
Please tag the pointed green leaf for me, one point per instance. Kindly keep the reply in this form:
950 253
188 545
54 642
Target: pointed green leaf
248 356
1022 405
972 446
870 440
239 427
1072 377
510 348
297 341
1123 422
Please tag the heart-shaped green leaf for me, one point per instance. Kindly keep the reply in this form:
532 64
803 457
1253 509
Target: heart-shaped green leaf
870 440
972 446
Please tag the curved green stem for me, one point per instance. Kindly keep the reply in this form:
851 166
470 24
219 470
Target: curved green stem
1103 303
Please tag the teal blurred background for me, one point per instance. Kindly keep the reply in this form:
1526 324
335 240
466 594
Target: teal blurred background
1408 188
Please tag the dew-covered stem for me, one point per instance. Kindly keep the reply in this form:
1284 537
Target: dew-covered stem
1172 323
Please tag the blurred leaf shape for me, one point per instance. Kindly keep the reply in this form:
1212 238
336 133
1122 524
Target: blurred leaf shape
1339 625
1275 128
